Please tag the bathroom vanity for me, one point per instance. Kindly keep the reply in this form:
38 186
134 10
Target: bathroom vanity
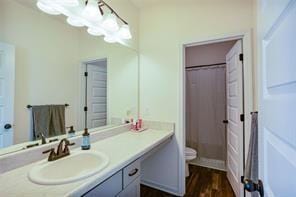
125 182
121 177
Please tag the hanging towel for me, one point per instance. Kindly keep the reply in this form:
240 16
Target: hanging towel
49 120
251 171
41 121
57 120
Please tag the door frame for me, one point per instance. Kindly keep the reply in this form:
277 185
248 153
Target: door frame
81 91
248 84
10 49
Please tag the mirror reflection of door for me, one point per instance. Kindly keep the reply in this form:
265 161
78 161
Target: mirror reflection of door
7 68
47 77
96 93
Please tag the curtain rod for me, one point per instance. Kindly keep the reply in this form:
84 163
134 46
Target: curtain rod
207 65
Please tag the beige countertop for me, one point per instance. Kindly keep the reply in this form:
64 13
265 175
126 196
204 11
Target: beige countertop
121 149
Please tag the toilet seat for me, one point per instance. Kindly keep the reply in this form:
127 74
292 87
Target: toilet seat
190 157
190 152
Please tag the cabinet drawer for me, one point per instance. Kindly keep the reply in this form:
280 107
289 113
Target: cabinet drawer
131 172
109 188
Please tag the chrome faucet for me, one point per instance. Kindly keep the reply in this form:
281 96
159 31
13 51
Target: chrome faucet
43 138
62 150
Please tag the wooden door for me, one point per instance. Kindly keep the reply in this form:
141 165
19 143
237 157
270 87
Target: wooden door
234 87
277 110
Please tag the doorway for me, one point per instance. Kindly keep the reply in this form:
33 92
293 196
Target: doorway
7 77
95 93
236 105
206 103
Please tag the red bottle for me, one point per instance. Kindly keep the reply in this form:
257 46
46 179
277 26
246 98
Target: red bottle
140 123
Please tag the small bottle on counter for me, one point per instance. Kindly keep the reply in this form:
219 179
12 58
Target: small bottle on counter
71 132
85 140
134 125
140 123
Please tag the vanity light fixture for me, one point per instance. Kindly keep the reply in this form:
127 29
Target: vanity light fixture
125 32
110 39
99 18
109 23
91 11
47 8
69 3
74 21
95 31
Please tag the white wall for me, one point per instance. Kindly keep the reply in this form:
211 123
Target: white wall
164 27
48 55
207 54
122 73
45 68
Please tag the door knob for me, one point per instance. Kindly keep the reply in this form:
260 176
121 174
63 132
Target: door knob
7 126
225 121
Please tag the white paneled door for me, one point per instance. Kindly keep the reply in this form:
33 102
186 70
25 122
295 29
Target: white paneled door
97 94
277 110
7 69
234 89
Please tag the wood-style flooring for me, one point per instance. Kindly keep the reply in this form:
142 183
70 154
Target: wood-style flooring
202 182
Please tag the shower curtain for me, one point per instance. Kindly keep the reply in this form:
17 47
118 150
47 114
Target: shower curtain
205 111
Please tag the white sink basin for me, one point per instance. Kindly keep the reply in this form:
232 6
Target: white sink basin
77 166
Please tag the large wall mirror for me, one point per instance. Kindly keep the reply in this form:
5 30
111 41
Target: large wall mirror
51 72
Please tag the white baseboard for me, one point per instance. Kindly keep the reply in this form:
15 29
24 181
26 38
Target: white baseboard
209 163
167 189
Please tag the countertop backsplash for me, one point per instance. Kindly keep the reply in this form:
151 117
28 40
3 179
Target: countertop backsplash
21 158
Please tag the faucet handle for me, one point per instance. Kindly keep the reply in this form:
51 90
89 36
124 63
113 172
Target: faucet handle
43 138
70 144
52 154
66 149
48 151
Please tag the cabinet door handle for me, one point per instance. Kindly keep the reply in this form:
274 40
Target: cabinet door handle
7 126
133 172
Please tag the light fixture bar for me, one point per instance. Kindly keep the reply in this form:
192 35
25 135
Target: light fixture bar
103 3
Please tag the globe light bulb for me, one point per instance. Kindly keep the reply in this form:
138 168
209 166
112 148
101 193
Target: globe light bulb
74 21
110 23
47 8
124 32
91 11
110 39
95 31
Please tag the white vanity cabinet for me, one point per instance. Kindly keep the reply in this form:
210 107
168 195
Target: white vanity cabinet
109 188
131 180
124 183
132 190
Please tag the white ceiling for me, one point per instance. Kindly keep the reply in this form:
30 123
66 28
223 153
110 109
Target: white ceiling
28 3
138 3
146 3
141 3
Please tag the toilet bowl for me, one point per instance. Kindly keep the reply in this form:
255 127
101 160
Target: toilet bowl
190 154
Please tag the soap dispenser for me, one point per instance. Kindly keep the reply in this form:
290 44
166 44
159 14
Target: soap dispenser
85 140
71 132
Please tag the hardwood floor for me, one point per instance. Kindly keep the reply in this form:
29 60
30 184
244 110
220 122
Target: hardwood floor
202 182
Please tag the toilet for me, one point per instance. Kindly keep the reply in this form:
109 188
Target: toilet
190 154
